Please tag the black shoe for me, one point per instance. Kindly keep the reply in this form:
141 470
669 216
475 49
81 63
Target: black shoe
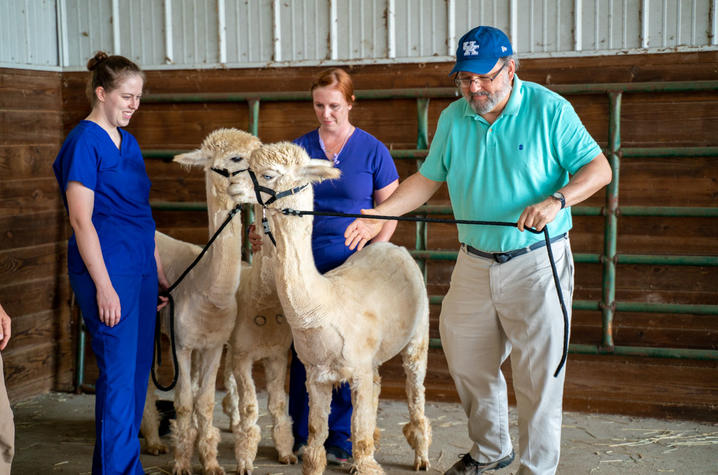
470 466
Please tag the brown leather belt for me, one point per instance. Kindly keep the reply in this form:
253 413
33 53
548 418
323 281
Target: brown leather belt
502 257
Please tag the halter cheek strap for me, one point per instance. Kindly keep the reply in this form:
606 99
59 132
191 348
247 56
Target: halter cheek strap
273 195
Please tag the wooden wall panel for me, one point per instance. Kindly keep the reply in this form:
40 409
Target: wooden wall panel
593 383
33 283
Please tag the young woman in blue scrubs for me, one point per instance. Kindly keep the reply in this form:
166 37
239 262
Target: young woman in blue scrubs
113 263
368 177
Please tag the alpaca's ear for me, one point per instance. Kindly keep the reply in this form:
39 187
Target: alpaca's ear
317 170
195 158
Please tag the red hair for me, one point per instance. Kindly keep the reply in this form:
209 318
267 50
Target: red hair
339 80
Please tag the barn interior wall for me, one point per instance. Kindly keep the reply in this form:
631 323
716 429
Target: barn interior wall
633 385
33 280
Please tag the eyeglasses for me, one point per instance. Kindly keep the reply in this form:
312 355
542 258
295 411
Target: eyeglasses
478 80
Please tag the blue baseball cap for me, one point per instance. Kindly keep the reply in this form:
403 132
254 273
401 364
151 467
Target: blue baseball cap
480 49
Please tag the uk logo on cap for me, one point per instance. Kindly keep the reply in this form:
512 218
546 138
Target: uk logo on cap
478 50
471 48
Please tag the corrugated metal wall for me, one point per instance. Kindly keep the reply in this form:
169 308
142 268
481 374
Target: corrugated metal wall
251 33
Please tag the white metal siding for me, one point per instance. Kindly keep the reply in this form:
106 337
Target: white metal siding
251 33
28 33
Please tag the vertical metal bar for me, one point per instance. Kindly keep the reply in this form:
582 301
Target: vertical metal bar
116 27
253 116
169 44
450 27
63 55
577 24
422 143
644 23
276 31
514 21
222 32
714 23
608 302
333 19
390 29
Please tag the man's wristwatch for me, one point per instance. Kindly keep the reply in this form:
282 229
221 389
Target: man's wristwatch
559 196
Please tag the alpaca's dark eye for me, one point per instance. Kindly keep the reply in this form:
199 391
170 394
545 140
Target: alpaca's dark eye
236 159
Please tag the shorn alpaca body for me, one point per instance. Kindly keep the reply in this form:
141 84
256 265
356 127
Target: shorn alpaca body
206 305
349 321
261 333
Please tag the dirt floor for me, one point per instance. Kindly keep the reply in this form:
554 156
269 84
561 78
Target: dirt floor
55 434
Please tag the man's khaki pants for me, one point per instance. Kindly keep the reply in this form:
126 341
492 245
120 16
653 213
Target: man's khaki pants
7 427
493 310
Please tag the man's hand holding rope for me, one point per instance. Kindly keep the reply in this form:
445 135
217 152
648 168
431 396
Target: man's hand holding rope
362 230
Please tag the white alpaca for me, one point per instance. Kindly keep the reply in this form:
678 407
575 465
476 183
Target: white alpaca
176 256
348 321
205 303
261 333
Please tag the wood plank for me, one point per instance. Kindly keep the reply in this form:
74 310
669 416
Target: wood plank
30 90
29 196
31 128
27 161
33 229
36 295
33 262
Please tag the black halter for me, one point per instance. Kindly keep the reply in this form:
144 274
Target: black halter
273 196
226 173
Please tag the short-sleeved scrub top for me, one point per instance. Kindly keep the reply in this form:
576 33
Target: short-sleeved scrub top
121 213
494 171
366 166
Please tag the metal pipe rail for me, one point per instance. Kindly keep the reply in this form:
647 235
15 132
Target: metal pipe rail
611 211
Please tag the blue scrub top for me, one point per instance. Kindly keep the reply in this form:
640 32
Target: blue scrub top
121 213
366 166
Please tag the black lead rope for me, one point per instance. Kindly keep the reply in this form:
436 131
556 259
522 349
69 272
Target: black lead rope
294 212
157 356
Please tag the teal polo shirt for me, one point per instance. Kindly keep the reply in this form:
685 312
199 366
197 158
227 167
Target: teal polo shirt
494 171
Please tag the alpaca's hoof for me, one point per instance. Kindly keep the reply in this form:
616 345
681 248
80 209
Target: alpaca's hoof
244 467
156 449
288 459
367 466
181 469
213 470
422 463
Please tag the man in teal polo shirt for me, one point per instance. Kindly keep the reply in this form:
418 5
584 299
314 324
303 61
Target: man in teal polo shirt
513 151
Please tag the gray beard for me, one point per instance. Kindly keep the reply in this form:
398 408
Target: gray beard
493 99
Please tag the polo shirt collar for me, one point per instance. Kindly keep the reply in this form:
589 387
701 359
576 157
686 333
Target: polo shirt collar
514 103
512 106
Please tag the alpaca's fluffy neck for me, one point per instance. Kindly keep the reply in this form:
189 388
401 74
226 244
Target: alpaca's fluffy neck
300 286
224 257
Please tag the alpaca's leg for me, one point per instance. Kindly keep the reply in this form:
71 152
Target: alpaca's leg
207 434
182 429
364 422
314 460
150 426
275 370
247 433
418 430
230 403
375 406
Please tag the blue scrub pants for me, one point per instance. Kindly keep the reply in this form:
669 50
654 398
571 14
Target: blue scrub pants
340 417
124 356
